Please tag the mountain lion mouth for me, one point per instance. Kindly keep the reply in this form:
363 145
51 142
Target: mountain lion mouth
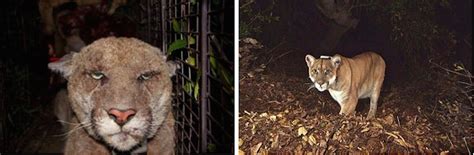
123 141
322 87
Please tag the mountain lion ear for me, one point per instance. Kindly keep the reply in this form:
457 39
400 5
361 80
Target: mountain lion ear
336 60
309 60
63 65
172 66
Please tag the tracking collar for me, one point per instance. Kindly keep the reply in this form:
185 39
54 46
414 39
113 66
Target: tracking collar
325 57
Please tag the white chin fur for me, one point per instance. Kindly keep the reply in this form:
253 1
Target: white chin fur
122 142
322 87
332 80
121 138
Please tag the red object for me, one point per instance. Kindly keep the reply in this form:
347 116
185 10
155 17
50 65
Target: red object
53 59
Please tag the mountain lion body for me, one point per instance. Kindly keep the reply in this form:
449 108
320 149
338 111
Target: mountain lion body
349 79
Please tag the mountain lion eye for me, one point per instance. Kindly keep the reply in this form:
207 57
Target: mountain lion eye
326 72
97 75
145 76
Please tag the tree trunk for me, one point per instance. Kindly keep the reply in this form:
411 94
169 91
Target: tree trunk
338 17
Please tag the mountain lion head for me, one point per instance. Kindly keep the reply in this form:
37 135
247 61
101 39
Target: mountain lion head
119 89
323 71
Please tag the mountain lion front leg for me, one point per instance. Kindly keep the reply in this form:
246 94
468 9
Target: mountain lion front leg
348 106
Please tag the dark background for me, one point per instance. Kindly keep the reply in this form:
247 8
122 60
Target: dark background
300 26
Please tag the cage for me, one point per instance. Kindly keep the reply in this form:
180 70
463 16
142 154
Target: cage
197 35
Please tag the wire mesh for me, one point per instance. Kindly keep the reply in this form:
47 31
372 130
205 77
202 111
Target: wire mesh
203 85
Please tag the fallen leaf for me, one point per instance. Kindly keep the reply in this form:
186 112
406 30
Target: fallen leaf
322 143
305 138
294 122
246 112
254 149
392 135
389 119
259 70
444 153
312 140
254 130
365 130
251 74
273 118
241 152
280 115
377 125
298 150
302 131
275 142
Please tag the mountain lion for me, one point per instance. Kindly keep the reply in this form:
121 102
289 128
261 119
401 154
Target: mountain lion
349 79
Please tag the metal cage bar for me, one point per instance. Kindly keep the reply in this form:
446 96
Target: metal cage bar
202 119
204 67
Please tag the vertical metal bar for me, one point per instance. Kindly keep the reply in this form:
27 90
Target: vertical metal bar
148 21
204 69
163 27
3 128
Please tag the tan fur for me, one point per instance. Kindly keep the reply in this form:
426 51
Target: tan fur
122 61
62 109
349 79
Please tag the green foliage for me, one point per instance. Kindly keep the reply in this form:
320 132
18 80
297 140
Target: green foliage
179 43
176 46
211 147
220 71
217 67
191 40
190 87
176 25
251 21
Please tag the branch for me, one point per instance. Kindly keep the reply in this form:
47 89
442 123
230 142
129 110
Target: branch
362 5
246 4
450 71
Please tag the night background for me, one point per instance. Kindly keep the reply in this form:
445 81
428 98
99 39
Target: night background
426 100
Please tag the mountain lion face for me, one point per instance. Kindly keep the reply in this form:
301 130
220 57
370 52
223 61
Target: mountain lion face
323 71
120 90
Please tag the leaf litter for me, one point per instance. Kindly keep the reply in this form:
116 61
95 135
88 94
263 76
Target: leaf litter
277 115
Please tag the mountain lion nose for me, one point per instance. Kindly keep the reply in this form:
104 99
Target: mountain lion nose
320 82
121 116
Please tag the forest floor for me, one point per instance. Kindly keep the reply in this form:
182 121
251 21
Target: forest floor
278 114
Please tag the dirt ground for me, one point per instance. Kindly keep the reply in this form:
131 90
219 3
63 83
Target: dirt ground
278 114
